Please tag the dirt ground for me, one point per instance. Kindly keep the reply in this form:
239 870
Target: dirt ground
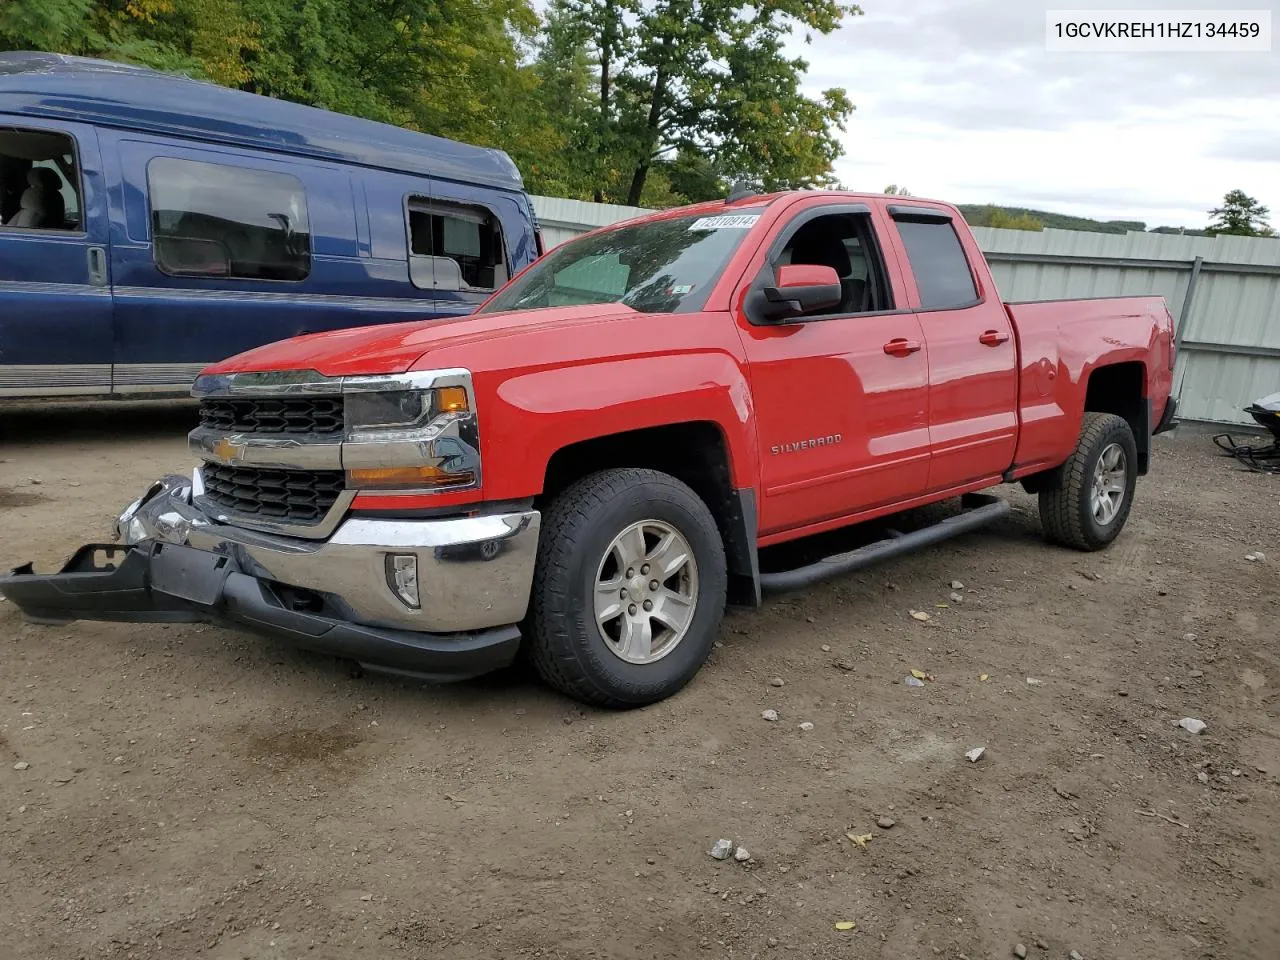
195 791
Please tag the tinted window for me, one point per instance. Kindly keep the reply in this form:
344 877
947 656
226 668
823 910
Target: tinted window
213 220
938 262
39 182
469 236
656 266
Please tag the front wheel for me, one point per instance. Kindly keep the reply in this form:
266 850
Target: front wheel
629 590
1089 504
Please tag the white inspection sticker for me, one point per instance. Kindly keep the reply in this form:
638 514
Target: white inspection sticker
742 221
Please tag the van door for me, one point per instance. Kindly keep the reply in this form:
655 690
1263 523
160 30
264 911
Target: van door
55 295
223 250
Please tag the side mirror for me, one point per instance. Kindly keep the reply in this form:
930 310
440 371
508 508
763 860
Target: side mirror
799 289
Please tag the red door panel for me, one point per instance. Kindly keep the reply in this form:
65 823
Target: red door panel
973 363
841 412
973 393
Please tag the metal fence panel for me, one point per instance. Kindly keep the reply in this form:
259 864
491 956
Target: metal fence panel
1229 338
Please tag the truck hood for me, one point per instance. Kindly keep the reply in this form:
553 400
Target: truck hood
395 347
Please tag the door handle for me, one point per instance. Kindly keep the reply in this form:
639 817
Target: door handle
900 347
993 338
97 266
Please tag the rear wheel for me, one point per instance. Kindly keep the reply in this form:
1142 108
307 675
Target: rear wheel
629 589
1089 504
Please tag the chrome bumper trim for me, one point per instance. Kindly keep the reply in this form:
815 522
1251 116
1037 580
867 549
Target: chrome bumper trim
473 572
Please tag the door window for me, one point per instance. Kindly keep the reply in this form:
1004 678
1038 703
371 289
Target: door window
844 242
453 246
217 220
938 262
39 180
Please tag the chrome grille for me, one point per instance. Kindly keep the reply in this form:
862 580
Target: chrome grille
316 416
297 496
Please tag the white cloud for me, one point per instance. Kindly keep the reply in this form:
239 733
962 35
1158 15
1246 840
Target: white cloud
958 100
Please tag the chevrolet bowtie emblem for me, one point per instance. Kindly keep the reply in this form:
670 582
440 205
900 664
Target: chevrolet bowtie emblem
227 449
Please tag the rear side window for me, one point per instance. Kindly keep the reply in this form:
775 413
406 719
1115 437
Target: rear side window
453 246
938 262
39 180
216 220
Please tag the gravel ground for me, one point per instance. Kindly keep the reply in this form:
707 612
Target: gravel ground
182 791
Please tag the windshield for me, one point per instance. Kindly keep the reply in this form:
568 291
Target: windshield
658 266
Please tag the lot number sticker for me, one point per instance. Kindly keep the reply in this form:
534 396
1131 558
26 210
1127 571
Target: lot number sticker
739 222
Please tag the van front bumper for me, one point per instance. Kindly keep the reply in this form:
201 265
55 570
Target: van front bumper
337 596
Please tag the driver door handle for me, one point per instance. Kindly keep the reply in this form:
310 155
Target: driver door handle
900 347
993 338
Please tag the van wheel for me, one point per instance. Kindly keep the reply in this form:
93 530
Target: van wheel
1089 504
629 589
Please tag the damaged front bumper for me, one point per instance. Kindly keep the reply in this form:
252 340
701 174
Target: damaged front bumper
445 609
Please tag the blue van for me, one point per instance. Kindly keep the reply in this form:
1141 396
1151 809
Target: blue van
152 224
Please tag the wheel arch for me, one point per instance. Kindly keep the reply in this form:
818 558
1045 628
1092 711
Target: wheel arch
1121 389
695 452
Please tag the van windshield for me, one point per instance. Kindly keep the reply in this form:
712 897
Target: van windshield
658 266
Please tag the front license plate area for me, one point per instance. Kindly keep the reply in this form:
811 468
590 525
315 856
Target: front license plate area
188 573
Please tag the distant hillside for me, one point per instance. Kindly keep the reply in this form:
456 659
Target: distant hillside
1184 230
984 215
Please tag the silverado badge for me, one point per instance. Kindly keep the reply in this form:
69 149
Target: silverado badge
826 441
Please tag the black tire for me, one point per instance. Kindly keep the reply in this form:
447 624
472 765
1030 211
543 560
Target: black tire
1066 513
566 646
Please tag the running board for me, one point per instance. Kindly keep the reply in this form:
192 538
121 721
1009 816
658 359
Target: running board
980 509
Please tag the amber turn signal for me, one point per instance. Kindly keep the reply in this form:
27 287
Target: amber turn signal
427 476
451 399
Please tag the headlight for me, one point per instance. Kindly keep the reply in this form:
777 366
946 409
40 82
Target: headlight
417 431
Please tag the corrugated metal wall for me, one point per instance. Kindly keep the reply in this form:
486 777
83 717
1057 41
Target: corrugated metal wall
1229 338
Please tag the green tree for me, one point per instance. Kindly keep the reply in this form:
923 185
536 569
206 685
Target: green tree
1240 215
202 38
989 215
695 92
893 190
1004 220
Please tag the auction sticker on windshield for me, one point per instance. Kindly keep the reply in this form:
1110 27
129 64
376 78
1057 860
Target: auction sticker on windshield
740 222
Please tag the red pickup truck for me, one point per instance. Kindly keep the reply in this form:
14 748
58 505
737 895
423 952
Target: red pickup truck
587 468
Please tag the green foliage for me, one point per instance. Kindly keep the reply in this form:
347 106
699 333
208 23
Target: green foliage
893 190
1240 215
695 92
1004 220
652 102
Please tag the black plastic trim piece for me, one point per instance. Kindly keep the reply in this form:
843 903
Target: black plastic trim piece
1168 421
1142 439
742 551
919 214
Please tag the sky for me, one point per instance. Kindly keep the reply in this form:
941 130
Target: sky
959 100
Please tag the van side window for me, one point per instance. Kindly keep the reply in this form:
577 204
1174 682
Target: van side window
39 182
453 246
938 262
214 220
